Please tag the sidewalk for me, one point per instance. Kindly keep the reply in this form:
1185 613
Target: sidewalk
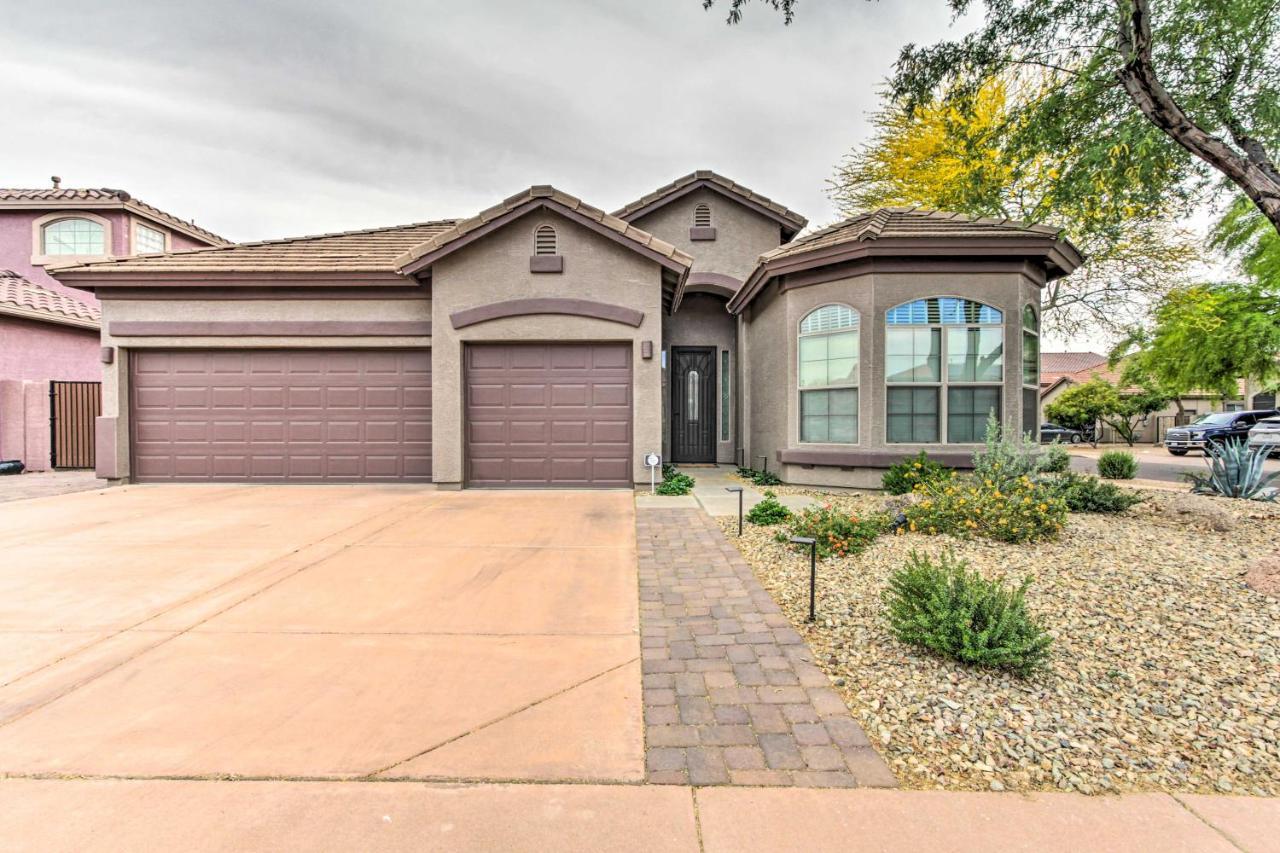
106 814
709 492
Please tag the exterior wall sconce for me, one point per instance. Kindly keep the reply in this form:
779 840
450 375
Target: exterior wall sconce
646 349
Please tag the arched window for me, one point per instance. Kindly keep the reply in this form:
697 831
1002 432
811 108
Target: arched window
544 240
944 363
702 216
1030 371
73 236
828 346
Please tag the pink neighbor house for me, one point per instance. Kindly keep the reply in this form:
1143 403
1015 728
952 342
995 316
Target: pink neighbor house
48 331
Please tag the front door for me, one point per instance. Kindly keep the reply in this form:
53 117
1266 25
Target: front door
693 404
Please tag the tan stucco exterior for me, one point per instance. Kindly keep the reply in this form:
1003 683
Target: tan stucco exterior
702 321
495 269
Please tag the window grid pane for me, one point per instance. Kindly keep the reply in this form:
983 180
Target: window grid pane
1030 359
913 415
967 412
975 355
147 241
74 237
829 416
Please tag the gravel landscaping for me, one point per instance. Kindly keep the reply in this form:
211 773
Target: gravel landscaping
1165 667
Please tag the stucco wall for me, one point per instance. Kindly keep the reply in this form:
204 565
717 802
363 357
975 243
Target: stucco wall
772 324
115 391
702 321
741 233
496 269
44 351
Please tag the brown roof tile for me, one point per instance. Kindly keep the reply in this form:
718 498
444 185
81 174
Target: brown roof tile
706 176
99 197
22 298
369 250
1055 364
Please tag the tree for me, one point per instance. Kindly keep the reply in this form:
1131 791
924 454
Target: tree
1124 411
1245 234
1135 86
955 156
1209 336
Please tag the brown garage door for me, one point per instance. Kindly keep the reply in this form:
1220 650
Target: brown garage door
548 414
277 415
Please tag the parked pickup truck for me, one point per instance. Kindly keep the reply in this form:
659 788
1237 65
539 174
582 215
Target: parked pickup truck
1215 427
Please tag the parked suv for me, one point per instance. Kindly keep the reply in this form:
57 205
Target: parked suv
1267 431
1215 427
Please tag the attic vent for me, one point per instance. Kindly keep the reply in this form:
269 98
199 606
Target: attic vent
544 240
702 216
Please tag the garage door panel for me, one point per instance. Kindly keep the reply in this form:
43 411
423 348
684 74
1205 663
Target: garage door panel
314 415
533 418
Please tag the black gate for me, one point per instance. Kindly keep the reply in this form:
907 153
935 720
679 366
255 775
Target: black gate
72 409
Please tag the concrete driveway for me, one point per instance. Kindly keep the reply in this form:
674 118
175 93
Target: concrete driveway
321 632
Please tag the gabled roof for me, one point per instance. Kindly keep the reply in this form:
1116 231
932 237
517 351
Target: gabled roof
22 298
662 196
102 198
534 198
1056 364
372 250
913 232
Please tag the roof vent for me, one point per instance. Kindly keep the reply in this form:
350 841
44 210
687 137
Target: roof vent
57 182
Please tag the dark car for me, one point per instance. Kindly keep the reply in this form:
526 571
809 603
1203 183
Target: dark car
1213 428
1053 432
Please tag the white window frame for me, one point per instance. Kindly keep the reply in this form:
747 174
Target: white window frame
38 225
139 224
857 374
944 384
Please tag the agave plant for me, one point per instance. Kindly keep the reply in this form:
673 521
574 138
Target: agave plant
1235 471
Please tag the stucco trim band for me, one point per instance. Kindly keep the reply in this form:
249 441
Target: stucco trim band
526 307
269 328
867 458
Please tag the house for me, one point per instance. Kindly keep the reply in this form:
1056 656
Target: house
49 331
544 342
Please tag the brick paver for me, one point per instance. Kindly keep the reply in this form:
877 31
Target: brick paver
731 695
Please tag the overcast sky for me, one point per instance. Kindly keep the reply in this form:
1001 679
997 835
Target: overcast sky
275 118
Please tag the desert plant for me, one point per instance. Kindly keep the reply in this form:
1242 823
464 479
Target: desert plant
766 478
1235 471
1003 459
1117 465
950 609
1055 459
768 511
1086 493
674 483
1021 510
838 533
902 477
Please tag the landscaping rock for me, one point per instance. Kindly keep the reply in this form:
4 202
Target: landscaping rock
1192 509
1264 576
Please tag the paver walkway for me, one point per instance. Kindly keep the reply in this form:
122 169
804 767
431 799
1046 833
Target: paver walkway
730 691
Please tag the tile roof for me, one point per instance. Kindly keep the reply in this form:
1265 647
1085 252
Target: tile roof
544 192
99 197
1056 364
709 177
22 298
905 222
369 250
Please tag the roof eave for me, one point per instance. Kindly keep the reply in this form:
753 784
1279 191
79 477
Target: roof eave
95 279
47 317
795 223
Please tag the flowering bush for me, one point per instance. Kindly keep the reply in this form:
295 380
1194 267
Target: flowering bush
904 476
837 533
1020 510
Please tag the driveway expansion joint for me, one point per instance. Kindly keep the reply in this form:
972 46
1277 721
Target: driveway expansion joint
731 695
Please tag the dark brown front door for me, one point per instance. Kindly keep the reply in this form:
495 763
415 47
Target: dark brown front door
693 404
548 415
281 415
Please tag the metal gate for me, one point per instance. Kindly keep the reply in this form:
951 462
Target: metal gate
72 409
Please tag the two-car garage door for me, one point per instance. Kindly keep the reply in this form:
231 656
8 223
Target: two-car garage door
337 415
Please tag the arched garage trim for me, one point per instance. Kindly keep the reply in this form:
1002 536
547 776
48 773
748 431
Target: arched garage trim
527 307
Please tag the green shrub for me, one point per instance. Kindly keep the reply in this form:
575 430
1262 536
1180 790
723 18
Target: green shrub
1235 471
768 511
766 478
673 482
838 533
1055 459
952 610
1023 510
668 470
904 476
747 473
1086 493
1003 459
1117 465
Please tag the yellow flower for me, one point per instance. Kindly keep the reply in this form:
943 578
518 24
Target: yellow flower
1043 508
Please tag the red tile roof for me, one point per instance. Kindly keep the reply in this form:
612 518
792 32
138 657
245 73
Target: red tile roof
98 198
22 298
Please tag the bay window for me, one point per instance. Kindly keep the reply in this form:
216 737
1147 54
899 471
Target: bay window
828 369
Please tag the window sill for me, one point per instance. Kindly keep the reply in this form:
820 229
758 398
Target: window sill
857 458
50 260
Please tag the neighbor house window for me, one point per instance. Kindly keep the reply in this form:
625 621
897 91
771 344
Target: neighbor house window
944 365
828 345
1030 371
702 216
147 241
73 237
544 240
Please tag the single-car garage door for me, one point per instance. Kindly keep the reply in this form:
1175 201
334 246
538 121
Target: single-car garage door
548 414
281 415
